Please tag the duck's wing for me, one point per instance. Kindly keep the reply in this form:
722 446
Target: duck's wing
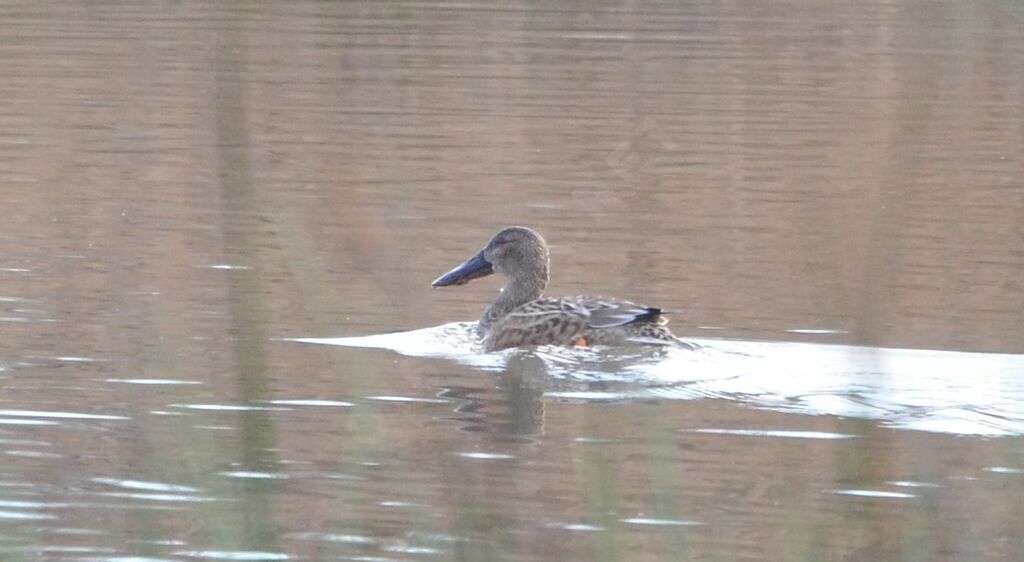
609 313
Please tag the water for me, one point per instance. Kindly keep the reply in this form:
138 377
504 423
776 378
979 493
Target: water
953 392
828 198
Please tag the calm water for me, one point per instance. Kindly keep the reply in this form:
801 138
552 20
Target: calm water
189 187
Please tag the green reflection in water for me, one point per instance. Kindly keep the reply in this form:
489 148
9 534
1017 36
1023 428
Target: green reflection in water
248 526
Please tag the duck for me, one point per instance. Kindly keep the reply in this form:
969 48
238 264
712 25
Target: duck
522 316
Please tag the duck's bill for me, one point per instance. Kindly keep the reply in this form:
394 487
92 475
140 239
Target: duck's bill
473 268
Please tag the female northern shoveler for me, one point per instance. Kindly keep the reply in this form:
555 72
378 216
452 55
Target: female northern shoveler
522 316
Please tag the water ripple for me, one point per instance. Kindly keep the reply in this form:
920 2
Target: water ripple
875 494
254 475
59 415
663 522
312 402
23 516
152 381
233 555
774 433
937 391
142 485
229 408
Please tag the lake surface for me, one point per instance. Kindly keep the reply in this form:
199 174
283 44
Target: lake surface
222 219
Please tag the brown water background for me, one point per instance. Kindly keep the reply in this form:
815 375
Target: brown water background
183 184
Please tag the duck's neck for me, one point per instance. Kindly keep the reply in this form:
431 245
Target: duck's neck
516 292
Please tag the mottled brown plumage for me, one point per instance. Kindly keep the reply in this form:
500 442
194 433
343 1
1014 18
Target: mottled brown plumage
521 316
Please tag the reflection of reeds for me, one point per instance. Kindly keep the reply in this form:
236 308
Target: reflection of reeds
250 527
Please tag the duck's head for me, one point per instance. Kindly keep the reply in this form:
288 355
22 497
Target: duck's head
516 252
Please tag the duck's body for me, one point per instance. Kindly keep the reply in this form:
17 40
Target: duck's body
578 320
522 316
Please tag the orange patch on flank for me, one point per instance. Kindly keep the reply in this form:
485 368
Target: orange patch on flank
580 342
